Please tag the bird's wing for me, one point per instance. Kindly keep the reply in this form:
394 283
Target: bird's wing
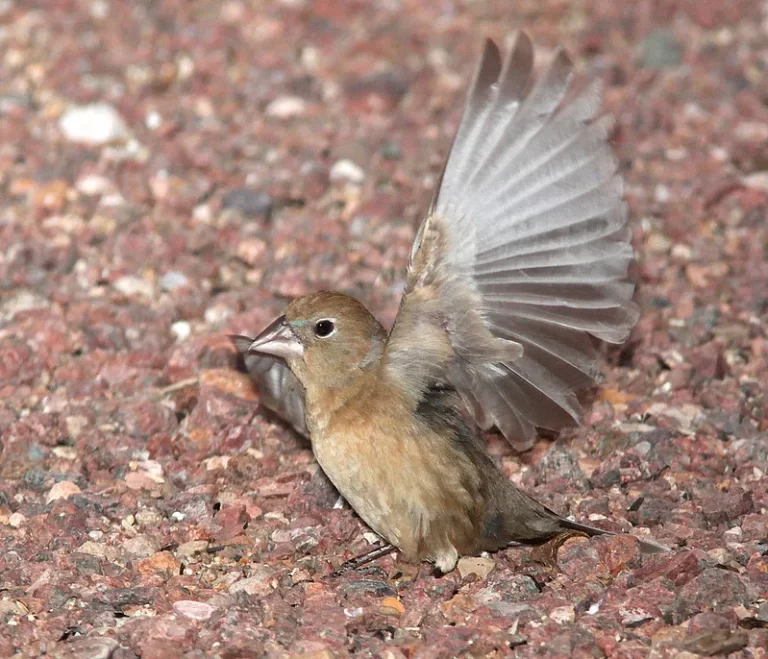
523 256
279 389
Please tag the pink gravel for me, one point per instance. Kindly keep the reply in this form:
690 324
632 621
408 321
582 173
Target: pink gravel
236 153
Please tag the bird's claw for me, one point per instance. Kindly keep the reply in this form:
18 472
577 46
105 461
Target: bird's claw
363 559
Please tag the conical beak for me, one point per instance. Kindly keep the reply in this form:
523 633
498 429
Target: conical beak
277 339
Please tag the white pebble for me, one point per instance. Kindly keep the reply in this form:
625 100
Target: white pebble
661 194
346 170
92 185
202 213
99 9
284 107
217 314
22 301
681 252
130 285
217 462
153 120
310 58
16 520
95 124
719 153
65 452
756 181
113 200
185 67
676 155
751 131
734 534
181 329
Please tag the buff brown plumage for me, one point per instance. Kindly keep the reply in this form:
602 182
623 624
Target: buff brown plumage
520 263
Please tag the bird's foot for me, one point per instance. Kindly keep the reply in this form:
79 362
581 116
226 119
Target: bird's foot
358 561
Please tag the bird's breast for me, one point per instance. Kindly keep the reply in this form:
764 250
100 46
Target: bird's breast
404 481
361 473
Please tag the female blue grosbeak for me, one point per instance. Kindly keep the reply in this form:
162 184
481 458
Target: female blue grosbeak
522 259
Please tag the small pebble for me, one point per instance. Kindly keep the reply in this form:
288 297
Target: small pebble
95 124
137 480
756 181
259 583
252 251
62 490
217 314
75 426
92 548
20 302
130 286
140 547
346 170
202 213
563 614
281 535
634 617
477 565
392 605
153 120
193 610
189 549
173 280
751 131
285 107
16 520
217 462
734 534
181 329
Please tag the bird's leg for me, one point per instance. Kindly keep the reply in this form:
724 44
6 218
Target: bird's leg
358 561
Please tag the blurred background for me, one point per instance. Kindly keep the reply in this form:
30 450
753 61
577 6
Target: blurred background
231 152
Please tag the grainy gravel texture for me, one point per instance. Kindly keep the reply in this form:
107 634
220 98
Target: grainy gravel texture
171 171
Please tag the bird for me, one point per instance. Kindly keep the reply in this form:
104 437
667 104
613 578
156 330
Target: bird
517 272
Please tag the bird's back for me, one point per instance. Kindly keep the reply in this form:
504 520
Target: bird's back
503 513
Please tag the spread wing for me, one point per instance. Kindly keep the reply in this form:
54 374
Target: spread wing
523 256
279 389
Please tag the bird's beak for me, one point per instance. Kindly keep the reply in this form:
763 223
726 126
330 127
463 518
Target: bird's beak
277 340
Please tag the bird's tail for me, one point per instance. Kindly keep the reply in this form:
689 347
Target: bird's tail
646 546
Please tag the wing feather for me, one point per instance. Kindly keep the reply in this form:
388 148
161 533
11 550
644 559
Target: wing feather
524 253
279 389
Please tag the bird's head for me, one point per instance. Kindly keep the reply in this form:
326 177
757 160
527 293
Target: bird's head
326 338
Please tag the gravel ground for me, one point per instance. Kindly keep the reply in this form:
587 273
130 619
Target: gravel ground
172 171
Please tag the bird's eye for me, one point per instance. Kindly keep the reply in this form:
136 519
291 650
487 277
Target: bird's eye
324 328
